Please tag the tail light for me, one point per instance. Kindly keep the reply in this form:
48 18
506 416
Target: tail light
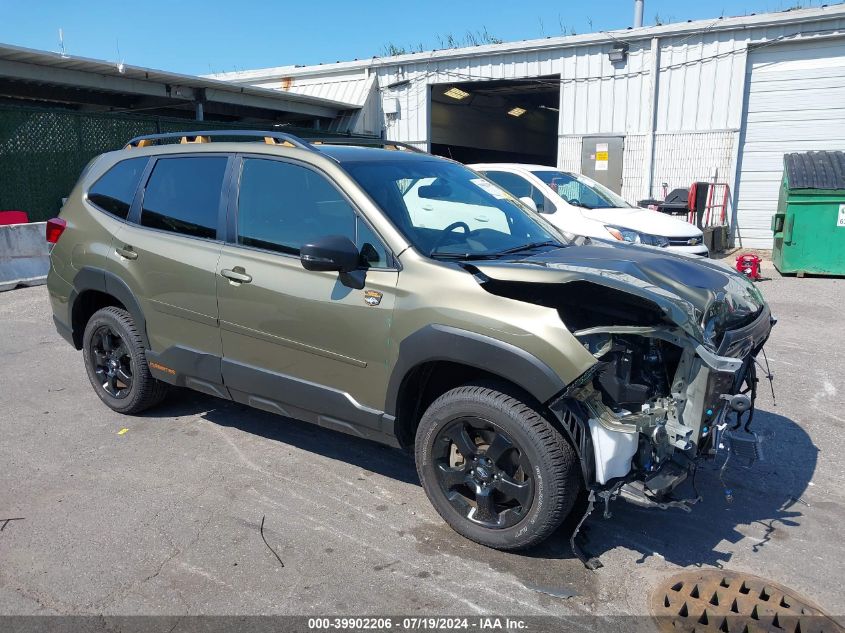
55 228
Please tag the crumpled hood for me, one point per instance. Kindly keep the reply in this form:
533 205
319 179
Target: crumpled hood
700 297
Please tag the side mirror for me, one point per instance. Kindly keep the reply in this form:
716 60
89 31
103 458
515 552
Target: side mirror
528 202
333 252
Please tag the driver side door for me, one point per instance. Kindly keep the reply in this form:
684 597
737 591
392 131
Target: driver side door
297 342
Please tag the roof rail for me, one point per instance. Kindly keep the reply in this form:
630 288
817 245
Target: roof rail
364 142
206 136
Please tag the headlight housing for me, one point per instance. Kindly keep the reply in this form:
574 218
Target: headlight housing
635 237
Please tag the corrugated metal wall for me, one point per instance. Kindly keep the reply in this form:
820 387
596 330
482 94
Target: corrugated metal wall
690 133
694 127
795 103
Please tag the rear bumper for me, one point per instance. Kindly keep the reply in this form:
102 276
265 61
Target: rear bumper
64 330
61 292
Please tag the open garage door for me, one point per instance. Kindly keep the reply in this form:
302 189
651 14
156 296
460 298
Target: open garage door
496 121
795 103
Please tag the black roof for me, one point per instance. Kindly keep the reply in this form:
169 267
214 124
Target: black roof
815 170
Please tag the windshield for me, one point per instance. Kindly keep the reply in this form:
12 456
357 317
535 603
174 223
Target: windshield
581 191
448 211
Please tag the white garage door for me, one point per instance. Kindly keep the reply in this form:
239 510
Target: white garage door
795 103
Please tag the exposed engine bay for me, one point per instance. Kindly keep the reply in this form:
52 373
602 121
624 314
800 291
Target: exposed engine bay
675 374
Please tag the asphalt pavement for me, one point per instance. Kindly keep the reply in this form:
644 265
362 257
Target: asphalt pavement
162 513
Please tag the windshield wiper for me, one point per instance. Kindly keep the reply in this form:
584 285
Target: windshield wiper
466 256
495 254
528 247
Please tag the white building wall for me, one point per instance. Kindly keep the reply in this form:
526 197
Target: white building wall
690 132
795 102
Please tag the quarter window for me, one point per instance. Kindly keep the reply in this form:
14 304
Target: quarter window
282 206
115 189
183 195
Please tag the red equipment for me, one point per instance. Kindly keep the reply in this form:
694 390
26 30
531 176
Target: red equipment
749 265
13 217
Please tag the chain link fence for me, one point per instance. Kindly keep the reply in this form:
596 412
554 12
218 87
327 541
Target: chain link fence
43 151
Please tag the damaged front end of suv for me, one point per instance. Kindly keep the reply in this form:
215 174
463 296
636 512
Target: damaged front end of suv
675 344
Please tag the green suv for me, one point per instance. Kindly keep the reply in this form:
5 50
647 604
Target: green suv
406 299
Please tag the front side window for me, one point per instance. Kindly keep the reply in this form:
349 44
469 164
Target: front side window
521 188
282 206
183 195
448 211
581 191
115 189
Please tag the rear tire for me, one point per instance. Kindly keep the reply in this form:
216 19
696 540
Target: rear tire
116 363
494 468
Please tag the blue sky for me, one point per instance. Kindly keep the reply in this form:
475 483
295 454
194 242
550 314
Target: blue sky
224 35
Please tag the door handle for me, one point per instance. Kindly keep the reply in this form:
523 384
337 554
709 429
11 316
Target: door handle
126 252
236 274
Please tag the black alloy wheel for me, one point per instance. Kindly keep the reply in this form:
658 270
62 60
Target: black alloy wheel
494 467
484 474
112 362
116 362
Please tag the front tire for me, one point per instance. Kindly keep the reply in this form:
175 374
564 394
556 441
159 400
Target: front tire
116 363
494 468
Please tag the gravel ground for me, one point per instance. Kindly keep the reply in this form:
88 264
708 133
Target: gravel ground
164 518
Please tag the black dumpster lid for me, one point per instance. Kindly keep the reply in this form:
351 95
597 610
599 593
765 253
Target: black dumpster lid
815 170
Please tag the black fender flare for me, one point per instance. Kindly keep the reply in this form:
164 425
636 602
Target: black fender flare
89 278
445 343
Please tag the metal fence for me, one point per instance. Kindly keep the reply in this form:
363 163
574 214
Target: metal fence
43 151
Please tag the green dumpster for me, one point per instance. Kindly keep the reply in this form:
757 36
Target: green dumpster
809 226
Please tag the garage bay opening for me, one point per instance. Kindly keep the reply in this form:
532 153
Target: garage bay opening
497 121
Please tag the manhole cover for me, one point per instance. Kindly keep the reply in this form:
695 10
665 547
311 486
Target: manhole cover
730 602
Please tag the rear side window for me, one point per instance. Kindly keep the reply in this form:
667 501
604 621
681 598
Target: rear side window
183 195
114 191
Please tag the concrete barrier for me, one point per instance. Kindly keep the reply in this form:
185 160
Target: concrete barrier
24 255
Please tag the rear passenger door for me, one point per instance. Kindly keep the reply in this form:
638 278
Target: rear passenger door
168 252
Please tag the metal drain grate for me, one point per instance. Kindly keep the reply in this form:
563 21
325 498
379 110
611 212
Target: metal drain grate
729 602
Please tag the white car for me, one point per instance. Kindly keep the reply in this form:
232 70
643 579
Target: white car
580 205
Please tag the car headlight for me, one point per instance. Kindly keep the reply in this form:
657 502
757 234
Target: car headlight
635 237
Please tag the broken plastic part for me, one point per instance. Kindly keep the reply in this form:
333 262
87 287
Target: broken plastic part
590 562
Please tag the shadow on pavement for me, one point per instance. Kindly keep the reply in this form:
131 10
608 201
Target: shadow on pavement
767 494
365 454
